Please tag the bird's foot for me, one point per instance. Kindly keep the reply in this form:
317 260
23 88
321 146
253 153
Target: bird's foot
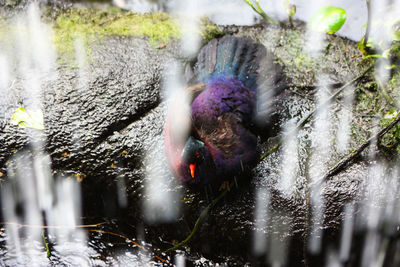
225 186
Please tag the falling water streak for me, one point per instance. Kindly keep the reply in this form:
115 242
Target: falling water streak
261 220
4 89
41 166
30 196
278 238
320 157
159 206
333 259
321 137
371 211
28 192
42 42
82 87
82 63
66 212
180 260
344 120
21 204
161 203
121 191
347 232
317 205
36 60
290 160
382 16
391 213
140 6
315 41
189 13
381 35
173 82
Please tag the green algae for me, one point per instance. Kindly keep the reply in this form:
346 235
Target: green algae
209 30
91 25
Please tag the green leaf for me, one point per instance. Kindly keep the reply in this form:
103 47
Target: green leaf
389 117
28 119
289 8
328 19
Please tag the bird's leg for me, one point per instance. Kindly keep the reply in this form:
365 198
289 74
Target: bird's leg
225 185
211 191
205 190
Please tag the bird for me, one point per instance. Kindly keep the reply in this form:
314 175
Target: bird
209 134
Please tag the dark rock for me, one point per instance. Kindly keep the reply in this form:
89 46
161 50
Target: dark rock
106 124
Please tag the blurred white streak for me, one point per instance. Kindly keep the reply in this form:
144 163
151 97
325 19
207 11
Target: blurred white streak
371 248
333 260
279 238
345 119
189 13
290 161
321 137
261 221
82 64
4 88
347 233
180 260
4 77
178 99
173 80
317 204
66 211
374 188
44 180
121 190
161 203
41 38
372 212
140 6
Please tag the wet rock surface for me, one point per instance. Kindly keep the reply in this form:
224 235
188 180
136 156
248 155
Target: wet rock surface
104 123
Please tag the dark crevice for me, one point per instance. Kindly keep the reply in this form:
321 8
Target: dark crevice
120 125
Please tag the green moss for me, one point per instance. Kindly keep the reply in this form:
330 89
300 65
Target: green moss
293 46
209 30
3 28
91 25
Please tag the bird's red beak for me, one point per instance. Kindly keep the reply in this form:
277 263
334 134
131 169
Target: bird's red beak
192 167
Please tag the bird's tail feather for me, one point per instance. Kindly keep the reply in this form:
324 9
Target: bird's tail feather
249 62
230 57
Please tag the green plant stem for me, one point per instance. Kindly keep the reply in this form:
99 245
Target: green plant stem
368 29
351 156
46 245
307 118
291 21
200 220
257 8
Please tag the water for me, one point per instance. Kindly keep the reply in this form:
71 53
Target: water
34 195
